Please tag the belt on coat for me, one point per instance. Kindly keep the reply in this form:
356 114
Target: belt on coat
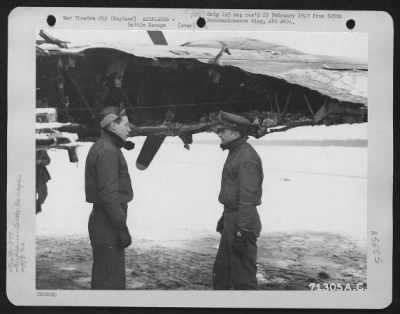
230 209
98 205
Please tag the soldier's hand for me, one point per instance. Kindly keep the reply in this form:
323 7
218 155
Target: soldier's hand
239 242
220 224
239 245
125 238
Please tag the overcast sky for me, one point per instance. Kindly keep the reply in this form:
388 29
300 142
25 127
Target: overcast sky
347 44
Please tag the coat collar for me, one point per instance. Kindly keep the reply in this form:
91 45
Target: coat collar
232 146
116 140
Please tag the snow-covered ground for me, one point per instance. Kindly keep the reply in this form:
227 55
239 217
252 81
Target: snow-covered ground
315 180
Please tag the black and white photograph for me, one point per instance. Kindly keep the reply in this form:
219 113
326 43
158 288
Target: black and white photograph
292 177
200 160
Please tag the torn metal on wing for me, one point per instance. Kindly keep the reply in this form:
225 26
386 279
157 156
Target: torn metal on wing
179 90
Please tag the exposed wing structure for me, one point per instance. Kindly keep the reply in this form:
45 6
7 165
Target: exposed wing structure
179 90
337 78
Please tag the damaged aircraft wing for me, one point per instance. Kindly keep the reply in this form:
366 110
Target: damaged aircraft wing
179 90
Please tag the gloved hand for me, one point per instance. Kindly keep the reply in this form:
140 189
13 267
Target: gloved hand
239 245
124 238
220 224
239 242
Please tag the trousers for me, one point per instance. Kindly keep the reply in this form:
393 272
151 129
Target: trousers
231 271
108 270
41 195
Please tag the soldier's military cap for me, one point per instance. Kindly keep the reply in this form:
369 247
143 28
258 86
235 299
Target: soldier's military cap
110 114
234 121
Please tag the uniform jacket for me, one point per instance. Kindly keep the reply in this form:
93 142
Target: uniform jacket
241 184
108 187
42 174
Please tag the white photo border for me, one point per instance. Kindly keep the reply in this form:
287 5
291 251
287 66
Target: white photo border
21 250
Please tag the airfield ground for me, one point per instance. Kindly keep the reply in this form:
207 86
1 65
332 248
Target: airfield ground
314 213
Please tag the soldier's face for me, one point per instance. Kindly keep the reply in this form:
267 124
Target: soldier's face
122 129
227 135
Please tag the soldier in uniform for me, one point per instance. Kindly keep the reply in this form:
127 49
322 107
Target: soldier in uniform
42 177
240 225
108 187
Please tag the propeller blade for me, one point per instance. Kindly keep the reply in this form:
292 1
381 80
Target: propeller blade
152 143
149 150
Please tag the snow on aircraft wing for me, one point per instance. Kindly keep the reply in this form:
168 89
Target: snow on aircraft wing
338 78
